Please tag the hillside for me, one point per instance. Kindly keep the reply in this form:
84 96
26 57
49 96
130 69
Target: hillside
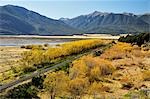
19 20
98 22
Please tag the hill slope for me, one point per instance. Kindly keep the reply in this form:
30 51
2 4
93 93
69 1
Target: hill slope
18 20
98 22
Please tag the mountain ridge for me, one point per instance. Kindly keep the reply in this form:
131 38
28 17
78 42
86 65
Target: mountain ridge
19 20
103 22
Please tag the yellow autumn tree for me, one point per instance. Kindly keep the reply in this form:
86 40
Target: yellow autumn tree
78 87
56 84
38 56
79 69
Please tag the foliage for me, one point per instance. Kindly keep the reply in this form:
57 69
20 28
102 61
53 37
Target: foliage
39 47
38 56
64 68
118 51
95 88
38 81
23 91
92 67
97 53
27 69
78 86
84 72
138 39
94 76
56 83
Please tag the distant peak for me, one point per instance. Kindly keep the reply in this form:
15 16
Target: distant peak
96 13
9 5
13 6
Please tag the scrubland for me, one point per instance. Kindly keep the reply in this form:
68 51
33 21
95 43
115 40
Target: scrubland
120 71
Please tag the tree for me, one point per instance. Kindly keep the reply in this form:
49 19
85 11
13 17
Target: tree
56 84
78 87
37 56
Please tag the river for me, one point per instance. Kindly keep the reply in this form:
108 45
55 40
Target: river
18 41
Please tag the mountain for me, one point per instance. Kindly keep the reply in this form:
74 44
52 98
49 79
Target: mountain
19 20
99 22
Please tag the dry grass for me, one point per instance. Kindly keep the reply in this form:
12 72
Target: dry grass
9 57
94 67
132 68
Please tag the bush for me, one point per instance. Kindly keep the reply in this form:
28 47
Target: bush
38 81
137 39
97 53
118 51
22 46
46 45
22 91
28 69
92 67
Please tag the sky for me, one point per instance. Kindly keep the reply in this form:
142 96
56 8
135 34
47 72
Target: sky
71 8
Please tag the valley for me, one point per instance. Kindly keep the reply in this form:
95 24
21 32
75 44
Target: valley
80 49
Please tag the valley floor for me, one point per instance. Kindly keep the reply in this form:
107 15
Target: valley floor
121 70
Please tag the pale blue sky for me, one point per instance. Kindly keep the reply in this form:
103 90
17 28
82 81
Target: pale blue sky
72 8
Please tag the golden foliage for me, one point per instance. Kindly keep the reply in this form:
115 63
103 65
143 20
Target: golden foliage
38 56
78 86
56 83
92 67
98 75
118 51
95 88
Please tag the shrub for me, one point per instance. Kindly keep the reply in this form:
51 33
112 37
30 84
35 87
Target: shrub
28 69
118 51
46 45
138 39
23 91
22 46
97 53
38 81
92 67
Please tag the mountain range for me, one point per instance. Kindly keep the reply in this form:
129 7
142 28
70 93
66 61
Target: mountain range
19 20
98 22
